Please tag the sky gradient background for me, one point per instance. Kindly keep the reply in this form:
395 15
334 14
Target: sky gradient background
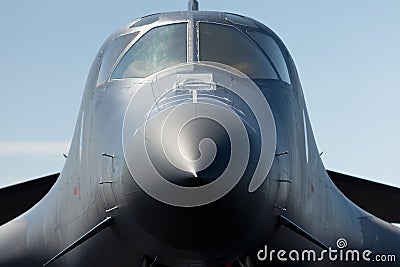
347 55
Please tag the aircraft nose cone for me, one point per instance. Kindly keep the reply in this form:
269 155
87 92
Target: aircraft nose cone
198 141
191 132
190 154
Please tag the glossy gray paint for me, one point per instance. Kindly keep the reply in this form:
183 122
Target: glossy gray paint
96 183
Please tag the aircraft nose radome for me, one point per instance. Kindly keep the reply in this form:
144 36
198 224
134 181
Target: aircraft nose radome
191 134
192 153
198 141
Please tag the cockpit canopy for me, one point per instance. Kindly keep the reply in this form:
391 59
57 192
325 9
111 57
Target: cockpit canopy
152 46
159 48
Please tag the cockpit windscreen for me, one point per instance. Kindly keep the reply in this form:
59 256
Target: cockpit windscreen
273 52
158 49
112 53
227 45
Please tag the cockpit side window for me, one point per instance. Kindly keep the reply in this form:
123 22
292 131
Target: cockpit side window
158 49
273 52
227 45
112 53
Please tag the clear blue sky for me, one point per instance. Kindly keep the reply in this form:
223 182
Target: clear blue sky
347 54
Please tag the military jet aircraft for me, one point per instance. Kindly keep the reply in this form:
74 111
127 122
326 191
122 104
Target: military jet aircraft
193 147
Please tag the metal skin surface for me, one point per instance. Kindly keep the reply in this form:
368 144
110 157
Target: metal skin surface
116 135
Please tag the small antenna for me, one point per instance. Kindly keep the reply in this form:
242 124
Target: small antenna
193 5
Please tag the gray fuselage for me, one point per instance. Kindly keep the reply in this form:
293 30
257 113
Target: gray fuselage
194 153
